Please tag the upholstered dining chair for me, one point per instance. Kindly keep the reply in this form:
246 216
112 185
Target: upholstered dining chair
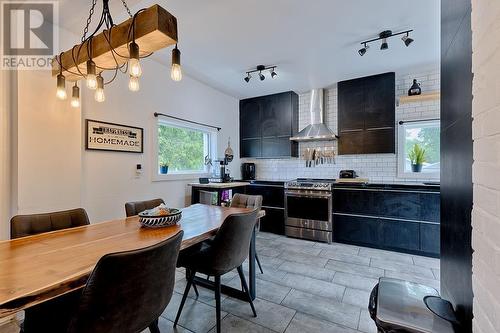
220 255
27 225
135 207
249 201
125 293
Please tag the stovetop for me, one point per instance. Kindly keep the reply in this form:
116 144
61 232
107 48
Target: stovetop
310 184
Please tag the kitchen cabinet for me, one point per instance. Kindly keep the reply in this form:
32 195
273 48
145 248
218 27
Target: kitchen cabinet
404 219
266 125
366 115
273 202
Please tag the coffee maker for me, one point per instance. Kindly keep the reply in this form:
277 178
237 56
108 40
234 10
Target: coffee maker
248 171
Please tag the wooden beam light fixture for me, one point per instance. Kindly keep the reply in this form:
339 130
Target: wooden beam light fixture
117 48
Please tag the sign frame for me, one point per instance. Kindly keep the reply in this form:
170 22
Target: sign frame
96 148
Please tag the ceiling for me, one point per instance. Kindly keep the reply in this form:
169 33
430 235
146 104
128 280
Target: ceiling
313 43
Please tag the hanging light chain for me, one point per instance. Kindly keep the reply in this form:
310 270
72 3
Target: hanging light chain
126 7
89 20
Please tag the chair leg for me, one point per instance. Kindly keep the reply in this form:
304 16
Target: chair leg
194 284
258 263
153 328
245 287
186 291
217 301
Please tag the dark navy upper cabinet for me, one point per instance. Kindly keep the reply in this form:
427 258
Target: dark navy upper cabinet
366 115
266 125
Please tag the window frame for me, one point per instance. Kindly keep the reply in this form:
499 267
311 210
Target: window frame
401 160
183 175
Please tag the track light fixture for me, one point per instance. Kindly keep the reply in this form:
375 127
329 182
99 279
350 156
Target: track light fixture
260 69
384 36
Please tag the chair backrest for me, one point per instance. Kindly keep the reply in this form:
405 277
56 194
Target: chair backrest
232 241
127 291
246 201
27 225
208 198
134 208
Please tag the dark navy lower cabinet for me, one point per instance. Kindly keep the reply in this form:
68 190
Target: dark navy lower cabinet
273 202
400 218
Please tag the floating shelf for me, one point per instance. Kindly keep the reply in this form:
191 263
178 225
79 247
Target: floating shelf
430 96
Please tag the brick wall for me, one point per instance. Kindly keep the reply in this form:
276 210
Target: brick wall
486 167
377 167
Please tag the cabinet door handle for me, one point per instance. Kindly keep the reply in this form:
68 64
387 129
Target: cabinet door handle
379 128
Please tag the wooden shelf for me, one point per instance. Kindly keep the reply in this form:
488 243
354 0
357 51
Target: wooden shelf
430 96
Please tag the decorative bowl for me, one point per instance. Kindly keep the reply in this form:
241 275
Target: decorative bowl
160 221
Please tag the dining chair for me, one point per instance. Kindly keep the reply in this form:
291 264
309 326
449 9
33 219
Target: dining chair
135 207
27 225
125 293
249 201
208 197
220 255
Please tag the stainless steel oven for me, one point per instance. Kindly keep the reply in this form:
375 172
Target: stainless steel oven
308 210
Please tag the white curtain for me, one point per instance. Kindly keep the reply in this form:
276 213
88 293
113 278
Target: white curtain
7 97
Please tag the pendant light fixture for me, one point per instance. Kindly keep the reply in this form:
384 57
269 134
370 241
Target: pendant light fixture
260 69
148 30
176 72
384 36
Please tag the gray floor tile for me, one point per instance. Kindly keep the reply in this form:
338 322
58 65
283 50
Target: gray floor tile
339 249
314 286
303 258
388 264
307 248
366 324
196 316
233 324
206 296
349 258
356 297
341 266
386 255
270 315
342 248
271 275
269 291
269 251
167 326
307 270
426 262
303 323
324 308
437 273
266 235
354 281
410 277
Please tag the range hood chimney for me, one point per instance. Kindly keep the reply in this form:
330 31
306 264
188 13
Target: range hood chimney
316 130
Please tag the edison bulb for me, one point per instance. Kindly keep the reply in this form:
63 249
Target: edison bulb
91 81
133 84
99 95
75 102
176 72
61 93
134 67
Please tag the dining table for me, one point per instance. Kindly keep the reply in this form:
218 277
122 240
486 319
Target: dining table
37 268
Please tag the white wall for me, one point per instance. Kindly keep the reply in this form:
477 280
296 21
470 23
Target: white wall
376 167
108 178
5 152
486 167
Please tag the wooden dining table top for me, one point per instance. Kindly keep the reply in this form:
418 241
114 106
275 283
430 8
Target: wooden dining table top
36 268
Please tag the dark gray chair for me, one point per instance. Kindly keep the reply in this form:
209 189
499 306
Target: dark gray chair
220 255
134 208
249 201
27 225
126 292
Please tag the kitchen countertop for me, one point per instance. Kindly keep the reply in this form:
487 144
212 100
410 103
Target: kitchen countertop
374 184
220 185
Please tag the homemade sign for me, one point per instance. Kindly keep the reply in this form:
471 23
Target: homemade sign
113 137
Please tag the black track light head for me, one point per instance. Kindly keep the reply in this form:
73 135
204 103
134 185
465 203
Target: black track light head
247 78
261 76
273 74
363 50
384 45
407 40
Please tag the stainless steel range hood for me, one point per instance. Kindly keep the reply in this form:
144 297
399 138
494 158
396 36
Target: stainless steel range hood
317 130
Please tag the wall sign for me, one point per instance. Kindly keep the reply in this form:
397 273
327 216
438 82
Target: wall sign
113 137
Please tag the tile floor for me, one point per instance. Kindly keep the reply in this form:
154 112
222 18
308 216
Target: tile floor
306 287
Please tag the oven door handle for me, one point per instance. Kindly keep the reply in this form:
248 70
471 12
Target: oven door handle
308 195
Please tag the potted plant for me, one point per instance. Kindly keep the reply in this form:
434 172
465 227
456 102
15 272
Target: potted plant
417 157
163 168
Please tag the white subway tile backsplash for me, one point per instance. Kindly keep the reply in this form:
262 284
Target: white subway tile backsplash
376 167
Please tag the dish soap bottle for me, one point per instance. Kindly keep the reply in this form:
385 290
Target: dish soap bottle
415 89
